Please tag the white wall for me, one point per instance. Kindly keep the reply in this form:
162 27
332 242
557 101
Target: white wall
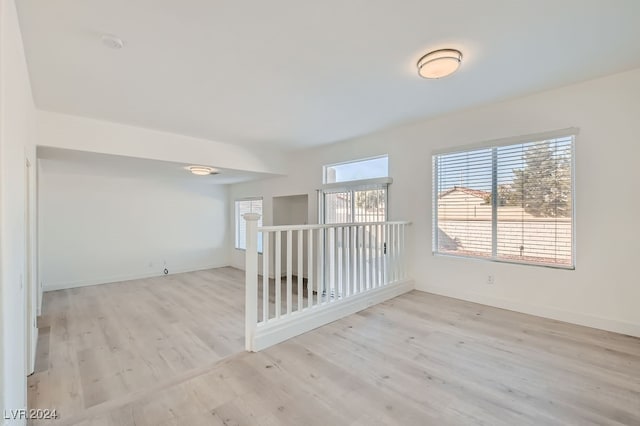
17 133
86 134
604 289
97 228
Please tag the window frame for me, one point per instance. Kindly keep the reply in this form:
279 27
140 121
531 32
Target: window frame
326 167
498 143
353 187
237 219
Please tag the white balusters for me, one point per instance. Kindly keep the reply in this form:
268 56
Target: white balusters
289 272
382 252
393 253
403 257
265 277
376 257
310 263
322 272
353 271
338 262
300 272
278 275
369 258
361 260
330 285
379 250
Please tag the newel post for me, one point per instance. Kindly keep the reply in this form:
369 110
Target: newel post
251 279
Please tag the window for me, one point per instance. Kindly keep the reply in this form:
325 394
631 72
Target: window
253 205
355 204
356 191
353 193
510 202
369 168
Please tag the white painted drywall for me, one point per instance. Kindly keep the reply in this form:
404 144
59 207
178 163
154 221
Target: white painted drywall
17 133
99 228
604 289
86 134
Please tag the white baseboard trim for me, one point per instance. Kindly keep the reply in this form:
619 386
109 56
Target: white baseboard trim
271 274
301 322
129 277
607 324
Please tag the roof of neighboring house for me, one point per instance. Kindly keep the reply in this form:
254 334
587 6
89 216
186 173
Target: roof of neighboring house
474 192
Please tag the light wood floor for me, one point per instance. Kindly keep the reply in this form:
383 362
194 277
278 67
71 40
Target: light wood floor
102 342
418 359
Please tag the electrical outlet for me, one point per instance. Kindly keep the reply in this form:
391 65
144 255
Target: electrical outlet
490 279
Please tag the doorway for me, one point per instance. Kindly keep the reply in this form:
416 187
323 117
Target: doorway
292 210
364 205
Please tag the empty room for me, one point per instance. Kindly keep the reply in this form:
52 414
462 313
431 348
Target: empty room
319 213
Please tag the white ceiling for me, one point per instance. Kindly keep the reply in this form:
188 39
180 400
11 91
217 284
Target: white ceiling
68 161
294 73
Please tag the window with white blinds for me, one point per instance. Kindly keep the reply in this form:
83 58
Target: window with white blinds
509 203
253 205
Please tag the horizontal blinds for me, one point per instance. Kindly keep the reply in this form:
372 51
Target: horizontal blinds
464 208
243 207
509 202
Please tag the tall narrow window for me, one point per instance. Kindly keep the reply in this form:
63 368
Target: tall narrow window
354 193
253 205
509 202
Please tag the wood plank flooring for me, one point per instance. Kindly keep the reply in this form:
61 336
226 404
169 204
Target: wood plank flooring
418 359
101 342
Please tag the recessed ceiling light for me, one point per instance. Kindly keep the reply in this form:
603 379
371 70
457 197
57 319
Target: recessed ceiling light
202 170
112 42
439 63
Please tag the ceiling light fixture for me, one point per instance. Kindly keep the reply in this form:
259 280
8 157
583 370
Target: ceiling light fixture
439 63
202 170
112 42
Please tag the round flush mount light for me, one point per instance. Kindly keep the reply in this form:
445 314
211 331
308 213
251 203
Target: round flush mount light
202 170
112 42
439 63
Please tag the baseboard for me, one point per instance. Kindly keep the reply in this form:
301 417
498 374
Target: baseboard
127 277
309 319
272 276
607 324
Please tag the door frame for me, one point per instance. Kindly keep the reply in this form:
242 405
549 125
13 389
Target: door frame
31 289
350 187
